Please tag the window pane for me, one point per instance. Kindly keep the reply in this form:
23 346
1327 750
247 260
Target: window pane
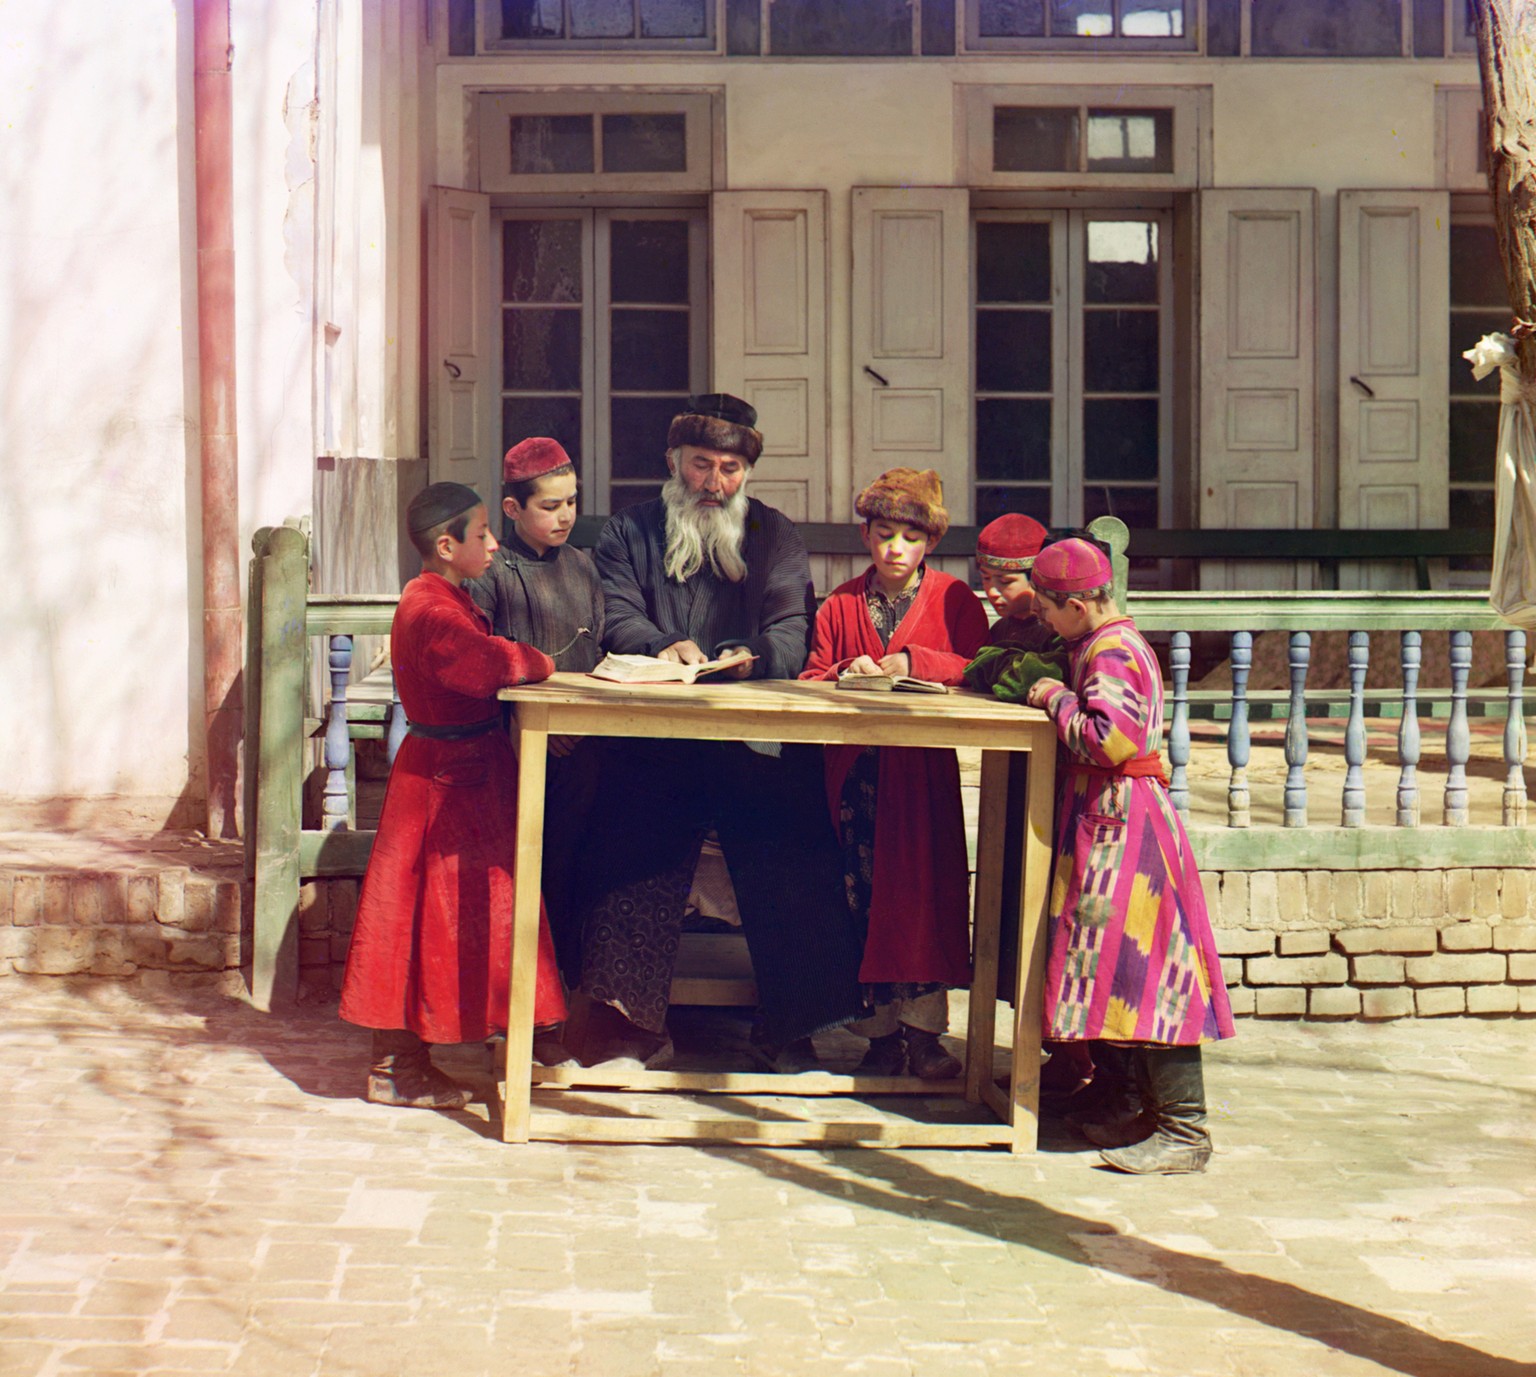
1152 18
1013 261
1013 439
992 503
461 28
1467 327
1082 18
645 143
810 28
551 143
1120 351
1012 18
530 19
640 435
541 260
649 260
541 350
1137 507
1474 441
1034 139
672 19
650 351
602 19
1477 274
1341 28
557 417
1120 439
1013 351
1122 261
1472 509
1130 140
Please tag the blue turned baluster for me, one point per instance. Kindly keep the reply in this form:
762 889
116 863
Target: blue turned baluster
1458 738
1178 724
338 745
1237 733
397 722
1514 731
1408 733
1296 732
1354 731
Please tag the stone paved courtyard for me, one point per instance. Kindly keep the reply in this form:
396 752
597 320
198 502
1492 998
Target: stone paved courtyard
193 1187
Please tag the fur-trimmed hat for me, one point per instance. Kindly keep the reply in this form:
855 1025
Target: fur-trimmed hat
718 421
1010 544
533 458
914 497
1071 566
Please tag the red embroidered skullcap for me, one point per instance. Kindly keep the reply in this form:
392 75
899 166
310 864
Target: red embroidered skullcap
1071 566
1010 543
533 458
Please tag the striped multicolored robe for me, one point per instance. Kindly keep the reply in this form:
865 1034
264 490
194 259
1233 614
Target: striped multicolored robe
1132 958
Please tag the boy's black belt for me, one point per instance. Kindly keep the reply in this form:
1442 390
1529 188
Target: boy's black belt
457 732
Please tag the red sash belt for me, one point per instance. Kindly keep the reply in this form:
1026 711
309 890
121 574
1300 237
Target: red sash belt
1139 767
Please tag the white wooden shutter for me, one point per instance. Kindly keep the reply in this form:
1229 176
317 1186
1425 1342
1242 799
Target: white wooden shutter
769 262
462 304
1258 372
911 339
1394 341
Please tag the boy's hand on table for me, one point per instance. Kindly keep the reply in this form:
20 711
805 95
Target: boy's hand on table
1040 691
898 665
562 746
863 665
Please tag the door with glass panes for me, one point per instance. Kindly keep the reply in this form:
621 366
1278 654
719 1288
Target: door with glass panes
604 332
1073 366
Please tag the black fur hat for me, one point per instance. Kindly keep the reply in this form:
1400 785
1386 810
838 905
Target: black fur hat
719 421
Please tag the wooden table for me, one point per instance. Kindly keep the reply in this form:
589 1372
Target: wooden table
792 711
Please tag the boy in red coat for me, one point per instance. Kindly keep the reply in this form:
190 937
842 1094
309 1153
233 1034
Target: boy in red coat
430 954
897 809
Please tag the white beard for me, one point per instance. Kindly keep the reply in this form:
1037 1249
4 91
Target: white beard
697 534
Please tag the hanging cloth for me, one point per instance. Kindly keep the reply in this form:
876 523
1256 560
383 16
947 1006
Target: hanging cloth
1512 587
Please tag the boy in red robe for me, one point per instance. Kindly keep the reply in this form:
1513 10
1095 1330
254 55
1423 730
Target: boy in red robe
431 951
897 809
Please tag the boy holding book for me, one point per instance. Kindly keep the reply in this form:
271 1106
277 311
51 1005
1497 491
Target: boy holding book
897 809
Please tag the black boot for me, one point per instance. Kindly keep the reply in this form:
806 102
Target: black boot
1122 1117
927 1058
885 1056
1176 1091
402 1074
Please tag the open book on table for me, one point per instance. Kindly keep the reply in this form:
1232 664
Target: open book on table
886 683
651 669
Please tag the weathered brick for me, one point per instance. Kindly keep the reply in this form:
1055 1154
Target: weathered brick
1485 894
99 899
1347 897
1515 894
198 913
141 899
1321 908
315 951
1464 968
1376 970
7 896
1396 1003
1292 913
1330 969
1280 1002
344 906
14 942
1313 942
1492 999
1458 895
203 952
1376 896
314 911
1404 903
171 907
1244 942
1466 937
1242 1001
1264 897
56 897
227 905
109 954
1429 895
1514 937
1340 1002
339 947
1406 941
1434 1003
27 901
56 951
1522 966
1210 887
1234 899
1527 997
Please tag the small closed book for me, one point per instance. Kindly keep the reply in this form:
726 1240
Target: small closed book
650 669
888 683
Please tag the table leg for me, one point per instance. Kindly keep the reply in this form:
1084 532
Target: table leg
1034 890
530 738
991 837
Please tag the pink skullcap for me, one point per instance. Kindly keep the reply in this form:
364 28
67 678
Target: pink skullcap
533 458
1071 566
1010 543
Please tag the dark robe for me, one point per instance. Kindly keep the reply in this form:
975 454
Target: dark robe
659 797
431 948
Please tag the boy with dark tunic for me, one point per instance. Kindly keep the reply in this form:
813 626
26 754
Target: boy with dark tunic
430 955
897 808
543 592
1133 964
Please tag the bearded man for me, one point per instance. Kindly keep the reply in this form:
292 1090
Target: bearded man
705 572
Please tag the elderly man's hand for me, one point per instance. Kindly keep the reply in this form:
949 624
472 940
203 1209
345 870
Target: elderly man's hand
683 653
737 663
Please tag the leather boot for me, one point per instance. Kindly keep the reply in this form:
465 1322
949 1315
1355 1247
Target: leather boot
926 1057
1176 1091
402 1074
885 1056
1122 1117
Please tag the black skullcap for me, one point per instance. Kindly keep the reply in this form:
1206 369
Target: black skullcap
437 503
723 407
